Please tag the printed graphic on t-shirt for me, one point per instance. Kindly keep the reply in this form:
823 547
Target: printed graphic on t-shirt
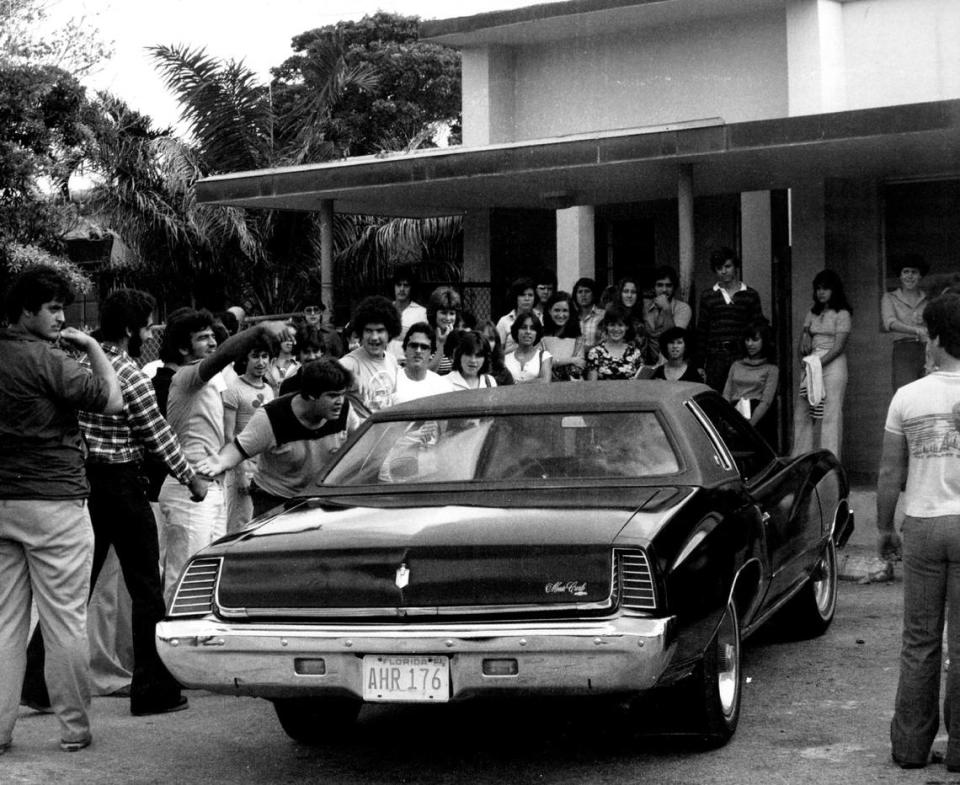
934 435
378 391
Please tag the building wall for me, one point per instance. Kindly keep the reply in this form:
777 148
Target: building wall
852 241
732 68
901 51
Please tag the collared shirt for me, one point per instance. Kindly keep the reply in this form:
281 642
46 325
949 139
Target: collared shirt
41 388
657 319
590 327
723 318
893 307
122 438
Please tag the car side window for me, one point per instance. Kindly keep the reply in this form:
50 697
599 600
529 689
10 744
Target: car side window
751 453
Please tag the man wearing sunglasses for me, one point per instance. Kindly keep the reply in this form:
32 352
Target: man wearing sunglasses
415 380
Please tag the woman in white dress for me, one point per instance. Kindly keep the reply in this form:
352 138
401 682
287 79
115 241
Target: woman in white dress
529 362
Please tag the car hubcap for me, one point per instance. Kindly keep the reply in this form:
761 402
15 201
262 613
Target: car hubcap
823 588
728 666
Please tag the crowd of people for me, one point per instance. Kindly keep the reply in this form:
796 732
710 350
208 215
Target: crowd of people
156 461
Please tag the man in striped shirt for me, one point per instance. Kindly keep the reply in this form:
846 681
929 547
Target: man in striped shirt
726 311
119 508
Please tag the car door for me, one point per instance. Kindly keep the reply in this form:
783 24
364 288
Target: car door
780 489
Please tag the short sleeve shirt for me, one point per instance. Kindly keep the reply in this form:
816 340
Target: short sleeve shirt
927 414
292 457
375 378
245 399
195 412
825 326
433 384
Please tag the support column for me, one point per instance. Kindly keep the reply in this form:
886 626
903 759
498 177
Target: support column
757 244
685 228
576 245
326 256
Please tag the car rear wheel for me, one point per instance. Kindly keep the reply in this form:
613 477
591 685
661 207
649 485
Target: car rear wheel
316 721
717 683
809 614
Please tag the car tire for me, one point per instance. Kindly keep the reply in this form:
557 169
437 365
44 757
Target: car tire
316 721
717 683
810 613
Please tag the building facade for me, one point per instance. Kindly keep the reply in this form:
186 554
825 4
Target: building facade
602 137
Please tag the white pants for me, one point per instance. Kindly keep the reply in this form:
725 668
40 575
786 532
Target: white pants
187 526
827 434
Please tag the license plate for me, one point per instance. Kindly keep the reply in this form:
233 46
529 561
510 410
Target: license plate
406 679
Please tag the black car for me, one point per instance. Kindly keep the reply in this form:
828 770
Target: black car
594 538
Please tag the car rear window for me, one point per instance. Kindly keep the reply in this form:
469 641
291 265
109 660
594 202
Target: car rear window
508 447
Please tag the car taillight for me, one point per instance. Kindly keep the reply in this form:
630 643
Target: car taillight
194 596
633 581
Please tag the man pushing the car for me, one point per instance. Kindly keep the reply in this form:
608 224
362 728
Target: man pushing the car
295 435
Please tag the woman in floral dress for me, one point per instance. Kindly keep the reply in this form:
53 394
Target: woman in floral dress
616 356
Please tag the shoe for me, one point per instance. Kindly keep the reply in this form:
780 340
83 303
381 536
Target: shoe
39 708
178 705
75 746
909 764
4 748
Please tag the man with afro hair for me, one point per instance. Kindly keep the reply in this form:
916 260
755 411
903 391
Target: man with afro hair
376 322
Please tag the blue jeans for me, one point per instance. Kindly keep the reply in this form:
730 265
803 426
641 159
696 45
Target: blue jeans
931 593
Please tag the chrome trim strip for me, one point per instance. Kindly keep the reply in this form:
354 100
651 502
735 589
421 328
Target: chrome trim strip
399 612
725 456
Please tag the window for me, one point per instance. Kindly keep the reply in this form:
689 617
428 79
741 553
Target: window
751 454
546 446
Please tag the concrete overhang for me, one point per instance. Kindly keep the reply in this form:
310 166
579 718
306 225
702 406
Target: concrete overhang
897 142
581 18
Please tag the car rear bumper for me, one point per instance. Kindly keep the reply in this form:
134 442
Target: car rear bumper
626 654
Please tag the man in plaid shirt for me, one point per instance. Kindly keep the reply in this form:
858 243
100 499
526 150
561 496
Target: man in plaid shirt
119 508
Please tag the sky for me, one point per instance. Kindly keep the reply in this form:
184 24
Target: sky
256 31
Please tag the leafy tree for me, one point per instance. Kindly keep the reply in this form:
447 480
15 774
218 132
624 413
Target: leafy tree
45 130
28 36
269 258
416 94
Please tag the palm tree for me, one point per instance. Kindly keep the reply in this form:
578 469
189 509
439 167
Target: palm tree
232 118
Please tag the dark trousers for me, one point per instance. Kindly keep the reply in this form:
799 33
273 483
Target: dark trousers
122 517
716 364
908 361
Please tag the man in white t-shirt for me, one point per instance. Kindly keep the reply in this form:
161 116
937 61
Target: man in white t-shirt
195 412
374 369
921 444
415 379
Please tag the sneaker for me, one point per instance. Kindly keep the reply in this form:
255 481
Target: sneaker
75 746
167 708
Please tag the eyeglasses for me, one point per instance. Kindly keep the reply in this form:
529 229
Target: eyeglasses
423 346
313 309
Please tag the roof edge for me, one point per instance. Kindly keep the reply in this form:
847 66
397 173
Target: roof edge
461 25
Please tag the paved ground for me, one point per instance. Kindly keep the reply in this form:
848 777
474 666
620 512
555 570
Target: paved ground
813 712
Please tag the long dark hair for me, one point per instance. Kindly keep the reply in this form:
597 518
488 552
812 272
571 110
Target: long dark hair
572 328
828 279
